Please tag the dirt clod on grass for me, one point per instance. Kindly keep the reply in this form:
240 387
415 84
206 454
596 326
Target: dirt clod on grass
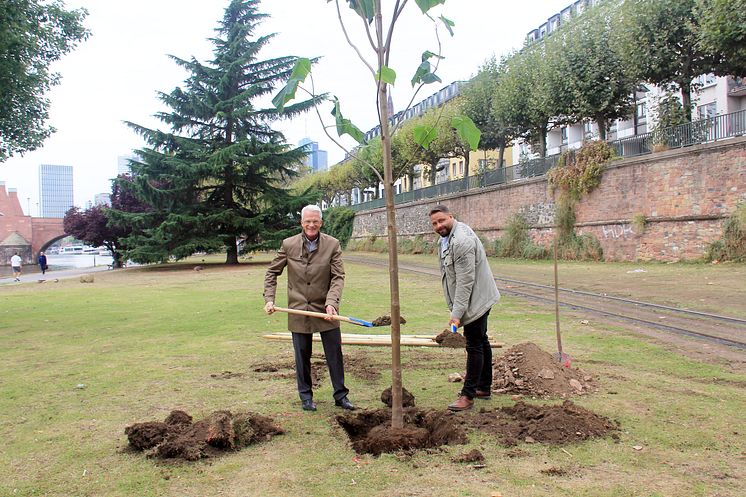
179 438
554 425
447 338
473 455
407 398
386 320
371 433
527 369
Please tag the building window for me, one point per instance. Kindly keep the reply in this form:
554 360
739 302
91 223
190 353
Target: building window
460 167
706 79
707 111
564 135
642 110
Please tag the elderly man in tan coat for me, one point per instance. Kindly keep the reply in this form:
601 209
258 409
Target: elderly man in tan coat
315 281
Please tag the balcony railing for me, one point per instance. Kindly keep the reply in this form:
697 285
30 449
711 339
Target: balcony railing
702 131
684 135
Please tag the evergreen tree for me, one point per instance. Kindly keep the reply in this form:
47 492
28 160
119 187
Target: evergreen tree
218 175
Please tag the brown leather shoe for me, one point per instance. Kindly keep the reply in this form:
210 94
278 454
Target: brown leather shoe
483 394
462 404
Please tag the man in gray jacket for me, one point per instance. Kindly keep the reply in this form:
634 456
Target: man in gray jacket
470 293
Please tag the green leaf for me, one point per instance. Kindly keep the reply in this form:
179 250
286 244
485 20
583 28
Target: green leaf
387 75
448 24
364 8
427 54
424 135
345 126
467 130
301 69
426 5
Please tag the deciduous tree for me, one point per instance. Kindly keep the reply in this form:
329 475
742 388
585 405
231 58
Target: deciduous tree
33 34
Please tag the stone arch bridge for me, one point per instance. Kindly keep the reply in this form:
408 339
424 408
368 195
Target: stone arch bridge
25 234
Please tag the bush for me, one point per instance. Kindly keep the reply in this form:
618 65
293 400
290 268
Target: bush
578 172
732 247
517 242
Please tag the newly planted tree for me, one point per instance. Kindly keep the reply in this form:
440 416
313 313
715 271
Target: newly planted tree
380 35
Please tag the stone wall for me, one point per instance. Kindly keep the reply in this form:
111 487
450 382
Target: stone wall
684 194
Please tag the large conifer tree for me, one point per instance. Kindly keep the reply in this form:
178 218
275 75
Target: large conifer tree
216 176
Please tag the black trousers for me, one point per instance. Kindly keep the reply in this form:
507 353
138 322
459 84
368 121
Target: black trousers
478 358
303 346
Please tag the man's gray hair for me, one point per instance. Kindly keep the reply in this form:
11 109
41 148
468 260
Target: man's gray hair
311 207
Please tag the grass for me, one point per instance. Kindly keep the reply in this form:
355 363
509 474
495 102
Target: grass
81 362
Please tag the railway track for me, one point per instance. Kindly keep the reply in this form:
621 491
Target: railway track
713 328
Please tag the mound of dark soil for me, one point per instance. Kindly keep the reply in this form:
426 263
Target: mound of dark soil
386 320
561 424
527 369
473 455
178 438
407 398
447 338
371 433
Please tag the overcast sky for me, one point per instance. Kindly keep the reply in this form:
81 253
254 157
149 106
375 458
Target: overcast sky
114 75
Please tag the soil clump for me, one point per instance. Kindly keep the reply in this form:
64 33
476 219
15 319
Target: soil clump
386 320
370 431
407 399
554 425
473 455
447 338
528 370
177 437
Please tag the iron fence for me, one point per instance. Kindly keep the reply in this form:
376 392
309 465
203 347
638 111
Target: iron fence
702 131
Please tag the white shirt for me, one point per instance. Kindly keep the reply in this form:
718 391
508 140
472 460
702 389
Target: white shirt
15 261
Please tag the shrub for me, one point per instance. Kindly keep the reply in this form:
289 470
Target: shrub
639 221
732 246
517 242
578 172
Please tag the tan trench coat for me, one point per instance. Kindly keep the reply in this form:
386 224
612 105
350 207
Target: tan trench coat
315 280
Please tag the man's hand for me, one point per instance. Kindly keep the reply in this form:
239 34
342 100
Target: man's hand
269 307
330 309
454 322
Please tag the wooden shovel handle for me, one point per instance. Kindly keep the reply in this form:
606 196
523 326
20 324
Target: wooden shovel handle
336 317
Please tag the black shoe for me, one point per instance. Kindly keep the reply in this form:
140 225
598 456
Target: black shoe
308 405
344 403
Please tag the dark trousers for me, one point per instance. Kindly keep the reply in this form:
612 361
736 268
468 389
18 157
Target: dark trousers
478 358
303 346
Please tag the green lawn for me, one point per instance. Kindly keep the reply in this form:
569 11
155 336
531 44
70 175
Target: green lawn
82 361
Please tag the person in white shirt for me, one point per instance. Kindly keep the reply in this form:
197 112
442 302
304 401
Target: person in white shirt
15 263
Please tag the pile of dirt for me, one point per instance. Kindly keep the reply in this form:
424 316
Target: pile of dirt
177 437
371 433
386 320
473 455
556 425
526 369
447 338
407 399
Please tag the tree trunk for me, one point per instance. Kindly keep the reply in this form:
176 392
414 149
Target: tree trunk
686 100
500 156
543 142
397 414
231 250
601 123
466 170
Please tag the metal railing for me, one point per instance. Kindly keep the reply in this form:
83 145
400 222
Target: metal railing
702 131
684 135
527 169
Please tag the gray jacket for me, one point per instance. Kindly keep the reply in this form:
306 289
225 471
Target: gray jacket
468 284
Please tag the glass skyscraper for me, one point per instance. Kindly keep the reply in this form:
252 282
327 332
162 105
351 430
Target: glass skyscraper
55 190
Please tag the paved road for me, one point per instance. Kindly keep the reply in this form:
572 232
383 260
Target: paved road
51 275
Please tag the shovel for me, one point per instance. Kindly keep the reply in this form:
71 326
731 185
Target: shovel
346 319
